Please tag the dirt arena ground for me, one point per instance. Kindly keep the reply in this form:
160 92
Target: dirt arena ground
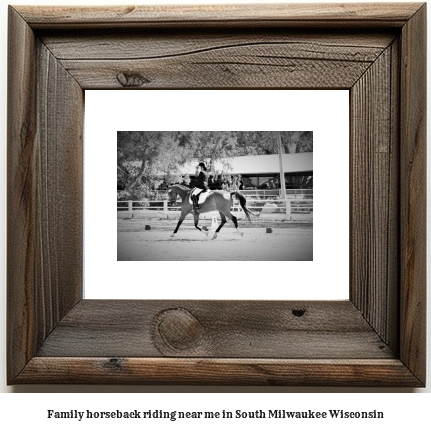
287 242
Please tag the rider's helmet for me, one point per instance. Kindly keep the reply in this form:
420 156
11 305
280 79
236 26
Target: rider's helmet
202 164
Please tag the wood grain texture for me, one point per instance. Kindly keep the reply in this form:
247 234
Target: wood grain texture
209 59
374 195
141 44
413 194
227 329
44 193
309 15
217 371
59 179
278 65
392 304
232 70
54 336
21 194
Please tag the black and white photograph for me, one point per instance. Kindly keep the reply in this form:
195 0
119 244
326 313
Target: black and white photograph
215 195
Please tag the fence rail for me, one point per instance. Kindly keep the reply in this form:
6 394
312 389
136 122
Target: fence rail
252 193
264 206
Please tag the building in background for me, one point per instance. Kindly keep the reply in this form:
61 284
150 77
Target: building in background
261 171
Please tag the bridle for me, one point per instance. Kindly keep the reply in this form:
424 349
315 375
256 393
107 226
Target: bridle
172 197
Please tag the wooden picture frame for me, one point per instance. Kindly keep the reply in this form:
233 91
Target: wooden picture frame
376 338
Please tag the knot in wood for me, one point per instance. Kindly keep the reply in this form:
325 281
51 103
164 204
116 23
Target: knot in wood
178 328
115 363
298 312
131 79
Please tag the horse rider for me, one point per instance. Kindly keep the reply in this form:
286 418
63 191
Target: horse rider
201 184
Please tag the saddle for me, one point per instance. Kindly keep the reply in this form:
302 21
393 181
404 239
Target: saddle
202 197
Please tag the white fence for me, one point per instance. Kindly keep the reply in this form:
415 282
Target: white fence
276 193
252 193
263 206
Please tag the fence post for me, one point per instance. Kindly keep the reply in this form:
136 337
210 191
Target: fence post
130 206
288 209
165 206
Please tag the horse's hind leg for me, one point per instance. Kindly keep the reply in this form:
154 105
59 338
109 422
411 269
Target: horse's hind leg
196 219
223 221
235 221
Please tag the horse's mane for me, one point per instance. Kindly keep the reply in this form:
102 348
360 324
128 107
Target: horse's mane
182 190
182 187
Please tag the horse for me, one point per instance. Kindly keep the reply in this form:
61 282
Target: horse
217 200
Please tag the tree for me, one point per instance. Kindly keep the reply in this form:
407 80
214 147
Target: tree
297 142
210 147
261 143
252 142
147 159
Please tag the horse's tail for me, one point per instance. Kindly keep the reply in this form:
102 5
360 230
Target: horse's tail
241 198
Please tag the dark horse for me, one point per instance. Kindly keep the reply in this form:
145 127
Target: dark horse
216 200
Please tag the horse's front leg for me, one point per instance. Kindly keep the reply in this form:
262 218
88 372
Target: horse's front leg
182 217
196 219
223 221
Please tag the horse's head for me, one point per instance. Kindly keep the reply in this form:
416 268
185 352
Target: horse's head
172 196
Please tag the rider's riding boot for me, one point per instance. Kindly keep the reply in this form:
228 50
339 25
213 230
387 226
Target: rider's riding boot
195 200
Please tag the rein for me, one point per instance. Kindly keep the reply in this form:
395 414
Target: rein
181 191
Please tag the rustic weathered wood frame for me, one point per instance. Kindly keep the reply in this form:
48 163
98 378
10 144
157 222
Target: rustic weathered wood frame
376 338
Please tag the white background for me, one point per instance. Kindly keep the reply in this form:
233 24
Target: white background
404 410
324 112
